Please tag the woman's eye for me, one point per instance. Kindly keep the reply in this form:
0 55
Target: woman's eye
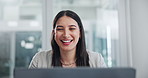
72 28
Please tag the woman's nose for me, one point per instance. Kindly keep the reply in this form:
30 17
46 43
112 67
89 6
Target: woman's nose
66 34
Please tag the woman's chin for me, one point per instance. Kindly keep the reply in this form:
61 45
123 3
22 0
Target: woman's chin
67 49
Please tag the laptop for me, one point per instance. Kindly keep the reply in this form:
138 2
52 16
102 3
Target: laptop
75 73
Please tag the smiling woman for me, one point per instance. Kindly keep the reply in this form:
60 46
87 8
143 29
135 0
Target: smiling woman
68 45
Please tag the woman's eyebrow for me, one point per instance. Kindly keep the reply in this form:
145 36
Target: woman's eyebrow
72 26
59 26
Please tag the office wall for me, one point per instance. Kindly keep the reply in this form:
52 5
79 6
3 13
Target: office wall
139 36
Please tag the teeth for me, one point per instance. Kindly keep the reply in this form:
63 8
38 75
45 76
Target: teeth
66 41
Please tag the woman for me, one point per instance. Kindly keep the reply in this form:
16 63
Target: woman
68 45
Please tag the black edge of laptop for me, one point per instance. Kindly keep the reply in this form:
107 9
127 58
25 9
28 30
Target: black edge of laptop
76 73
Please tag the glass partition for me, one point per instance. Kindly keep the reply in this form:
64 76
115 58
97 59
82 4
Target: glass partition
4 54
27 44
20 34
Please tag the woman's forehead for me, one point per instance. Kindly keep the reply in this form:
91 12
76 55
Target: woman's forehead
65 20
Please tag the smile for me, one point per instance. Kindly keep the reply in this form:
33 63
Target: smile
66 42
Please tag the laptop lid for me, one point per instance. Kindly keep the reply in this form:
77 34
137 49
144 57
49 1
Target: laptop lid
75 73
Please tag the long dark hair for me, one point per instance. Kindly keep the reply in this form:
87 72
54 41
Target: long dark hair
81 53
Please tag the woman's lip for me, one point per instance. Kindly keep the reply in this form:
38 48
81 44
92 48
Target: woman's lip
67 43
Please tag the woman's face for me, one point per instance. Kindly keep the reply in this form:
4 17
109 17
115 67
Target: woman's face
67 33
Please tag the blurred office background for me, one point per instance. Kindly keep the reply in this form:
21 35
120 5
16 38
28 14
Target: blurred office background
115 28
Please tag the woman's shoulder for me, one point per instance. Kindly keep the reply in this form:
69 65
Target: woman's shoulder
93 54
95 59
41 59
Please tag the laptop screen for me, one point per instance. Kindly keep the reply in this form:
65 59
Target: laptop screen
75 73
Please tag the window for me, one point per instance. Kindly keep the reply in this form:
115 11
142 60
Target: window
20 34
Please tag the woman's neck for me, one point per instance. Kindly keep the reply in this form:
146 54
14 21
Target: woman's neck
68 56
